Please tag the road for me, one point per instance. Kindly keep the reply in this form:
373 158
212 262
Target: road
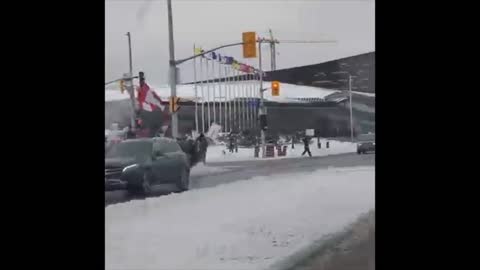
244 170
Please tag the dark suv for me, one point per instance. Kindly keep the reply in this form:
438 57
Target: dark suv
143 163
365 143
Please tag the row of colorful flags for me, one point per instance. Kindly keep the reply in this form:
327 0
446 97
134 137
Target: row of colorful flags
227 60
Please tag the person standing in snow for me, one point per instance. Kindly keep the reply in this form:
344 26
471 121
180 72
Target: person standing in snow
130 134
306 145
231 140
202 147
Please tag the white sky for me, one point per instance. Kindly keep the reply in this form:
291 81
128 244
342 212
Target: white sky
210 23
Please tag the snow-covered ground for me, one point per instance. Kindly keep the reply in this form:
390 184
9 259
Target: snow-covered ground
219 153
288 92
249 224
202 170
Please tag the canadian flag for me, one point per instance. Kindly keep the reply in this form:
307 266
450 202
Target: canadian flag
148 99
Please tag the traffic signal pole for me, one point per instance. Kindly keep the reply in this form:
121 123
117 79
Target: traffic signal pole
131 90
262 105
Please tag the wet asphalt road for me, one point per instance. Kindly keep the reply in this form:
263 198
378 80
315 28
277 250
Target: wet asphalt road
244 170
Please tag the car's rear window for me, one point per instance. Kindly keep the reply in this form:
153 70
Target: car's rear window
166 146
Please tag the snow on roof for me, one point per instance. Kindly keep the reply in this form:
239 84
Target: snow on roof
364 94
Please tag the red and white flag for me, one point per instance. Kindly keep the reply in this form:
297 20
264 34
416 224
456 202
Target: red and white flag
148 99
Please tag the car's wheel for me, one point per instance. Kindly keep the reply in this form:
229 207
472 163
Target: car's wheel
184 181
359 152
140 187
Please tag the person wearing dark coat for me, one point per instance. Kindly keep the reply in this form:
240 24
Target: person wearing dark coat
202 143
306 145
130 133
232 139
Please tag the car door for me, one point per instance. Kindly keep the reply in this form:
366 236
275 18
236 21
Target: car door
176 156
162 163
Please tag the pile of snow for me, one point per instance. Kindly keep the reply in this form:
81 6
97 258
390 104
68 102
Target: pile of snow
288 92
242 225
219 153
214 131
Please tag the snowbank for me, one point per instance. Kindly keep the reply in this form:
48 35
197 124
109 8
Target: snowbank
243 225
216 153
287 92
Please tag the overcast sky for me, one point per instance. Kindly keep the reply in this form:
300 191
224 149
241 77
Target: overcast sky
211 23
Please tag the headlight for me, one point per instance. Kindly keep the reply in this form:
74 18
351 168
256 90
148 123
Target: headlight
373 143
129 167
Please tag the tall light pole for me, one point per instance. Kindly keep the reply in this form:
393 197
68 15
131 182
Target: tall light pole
350 101
173 75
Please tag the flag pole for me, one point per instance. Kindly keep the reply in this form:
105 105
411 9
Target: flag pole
208 97
244 101
237 93
235 119
220 92
227 95
240 90
255 98
214 90
230 90
196 90
252 93
203 95
247 87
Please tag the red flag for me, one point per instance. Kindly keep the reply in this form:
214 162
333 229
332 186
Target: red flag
148 99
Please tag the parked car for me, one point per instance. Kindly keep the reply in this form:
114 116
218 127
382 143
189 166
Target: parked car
143 163
365 143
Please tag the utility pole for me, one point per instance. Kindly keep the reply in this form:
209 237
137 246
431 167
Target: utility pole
172 64
131 90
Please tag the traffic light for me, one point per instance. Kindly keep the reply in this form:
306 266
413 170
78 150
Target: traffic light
275 88
174 107
249 45
122 86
